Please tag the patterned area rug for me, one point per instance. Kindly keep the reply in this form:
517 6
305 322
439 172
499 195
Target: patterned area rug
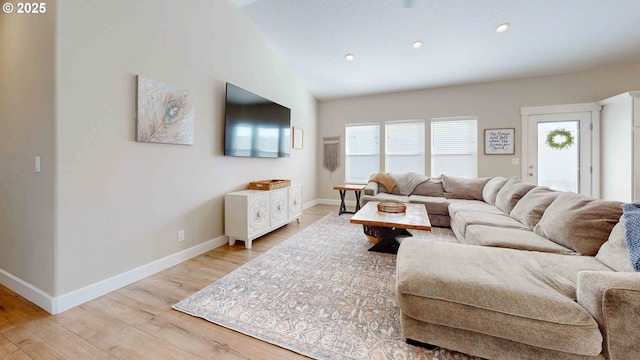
319 293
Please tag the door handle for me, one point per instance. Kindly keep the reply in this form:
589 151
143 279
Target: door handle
531 174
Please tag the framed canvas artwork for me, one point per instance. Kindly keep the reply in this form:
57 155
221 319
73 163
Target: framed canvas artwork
164 113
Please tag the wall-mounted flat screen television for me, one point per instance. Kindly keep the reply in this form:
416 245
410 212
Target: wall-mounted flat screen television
255 126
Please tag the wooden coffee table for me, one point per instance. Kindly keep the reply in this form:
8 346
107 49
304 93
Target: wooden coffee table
391 225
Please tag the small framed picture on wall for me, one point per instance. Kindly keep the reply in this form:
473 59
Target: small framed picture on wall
499 141
298 135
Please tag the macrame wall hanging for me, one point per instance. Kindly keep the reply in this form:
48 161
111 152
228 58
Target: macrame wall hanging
331 152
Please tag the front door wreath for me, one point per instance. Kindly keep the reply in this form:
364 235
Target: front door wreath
559 139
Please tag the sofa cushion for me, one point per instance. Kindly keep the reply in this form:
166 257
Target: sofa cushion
528 297
513 239
383 189
579 222
463 188
631 212
466 218
490 190
407 182
614 252
431 187
512 191
436 205
457 205
530 208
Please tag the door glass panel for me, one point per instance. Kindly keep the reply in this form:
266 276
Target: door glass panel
559 155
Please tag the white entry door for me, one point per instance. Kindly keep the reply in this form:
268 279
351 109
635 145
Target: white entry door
558 149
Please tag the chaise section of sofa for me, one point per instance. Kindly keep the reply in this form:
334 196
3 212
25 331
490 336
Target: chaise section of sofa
522 297
504 303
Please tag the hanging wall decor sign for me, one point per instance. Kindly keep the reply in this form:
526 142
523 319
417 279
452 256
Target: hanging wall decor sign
499 141
164 113
331 152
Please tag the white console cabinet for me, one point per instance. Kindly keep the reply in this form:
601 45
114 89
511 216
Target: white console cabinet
249 214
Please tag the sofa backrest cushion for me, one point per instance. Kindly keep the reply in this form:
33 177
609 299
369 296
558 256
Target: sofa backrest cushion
579 222
615 253
530 208
383 189
431 187
511 193
490 190
463 188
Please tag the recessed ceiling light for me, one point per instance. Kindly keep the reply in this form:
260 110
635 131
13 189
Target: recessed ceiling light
349 57
417 44
502 27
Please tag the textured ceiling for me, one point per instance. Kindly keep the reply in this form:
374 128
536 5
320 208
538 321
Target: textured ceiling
461 45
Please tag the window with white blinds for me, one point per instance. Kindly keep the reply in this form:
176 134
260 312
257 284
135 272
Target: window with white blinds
404 146
454 147
362 152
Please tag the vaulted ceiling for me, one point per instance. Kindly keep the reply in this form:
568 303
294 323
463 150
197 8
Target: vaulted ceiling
460 44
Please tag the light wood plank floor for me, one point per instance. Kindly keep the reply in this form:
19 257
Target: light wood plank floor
137 322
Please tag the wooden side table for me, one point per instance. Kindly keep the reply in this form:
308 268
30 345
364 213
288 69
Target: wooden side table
342 189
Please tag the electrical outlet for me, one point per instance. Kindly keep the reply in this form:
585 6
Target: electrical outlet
181 235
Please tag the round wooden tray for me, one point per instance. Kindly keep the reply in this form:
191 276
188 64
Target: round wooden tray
392 207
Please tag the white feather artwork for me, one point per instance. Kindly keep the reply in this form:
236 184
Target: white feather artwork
165 113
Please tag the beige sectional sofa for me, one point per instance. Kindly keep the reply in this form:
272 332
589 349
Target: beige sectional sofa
537 274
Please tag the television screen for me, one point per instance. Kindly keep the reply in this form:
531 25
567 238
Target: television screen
255 126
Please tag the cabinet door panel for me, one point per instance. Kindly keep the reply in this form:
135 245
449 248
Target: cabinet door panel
278 207
258 213
295 201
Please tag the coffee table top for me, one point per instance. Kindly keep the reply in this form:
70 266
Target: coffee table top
415 217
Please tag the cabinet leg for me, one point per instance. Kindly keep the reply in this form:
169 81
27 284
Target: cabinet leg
247 244
232 241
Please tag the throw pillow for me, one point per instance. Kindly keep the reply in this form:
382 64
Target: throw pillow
463 188
614 252
530 208
579 222
431 187
632 232
511 193
490 191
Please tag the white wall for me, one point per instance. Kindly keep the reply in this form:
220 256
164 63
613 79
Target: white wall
120 203
105 205
27 129
496 105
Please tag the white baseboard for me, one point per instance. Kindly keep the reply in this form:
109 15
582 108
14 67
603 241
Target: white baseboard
309 204
27 291
56 305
